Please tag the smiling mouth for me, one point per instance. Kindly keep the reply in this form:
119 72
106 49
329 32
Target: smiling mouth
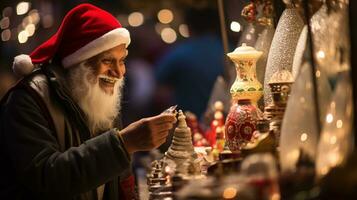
107 79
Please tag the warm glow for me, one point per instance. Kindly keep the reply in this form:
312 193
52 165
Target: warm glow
318 73
302 100
47 21
165 16
6 35
136 19
321 54
7 12
334 158
183 30
333 104
324 170
30 29
229 193
22 37
159 27
235 26
329 118
303 137
275 196
5 23
34 16
22 8
339 123
248 37
168 35
333 140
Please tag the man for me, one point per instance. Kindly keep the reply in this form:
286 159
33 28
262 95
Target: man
58 125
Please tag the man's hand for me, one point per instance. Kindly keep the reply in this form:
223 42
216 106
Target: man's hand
147 133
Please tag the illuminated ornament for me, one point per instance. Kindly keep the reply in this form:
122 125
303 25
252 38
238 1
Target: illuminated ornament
299 130
299 52
337 135
217 123
263 44
283 46
330 38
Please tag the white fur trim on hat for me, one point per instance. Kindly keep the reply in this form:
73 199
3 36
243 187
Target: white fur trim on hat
105 42
22 65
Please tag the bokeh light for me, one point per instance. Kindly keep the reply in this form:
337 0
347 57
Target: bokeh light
183 30
168 35
5 35
165 16
22 8
235 26
136 19
22 37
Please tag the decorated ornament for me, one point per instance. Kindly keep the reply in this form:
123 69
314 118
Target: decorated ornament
240 124
280 86
330 38
283 47
299 52
336 141
246 85
299 130
181 149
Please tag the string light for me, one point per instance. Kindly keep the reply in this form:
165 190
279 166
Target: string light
303 137
318 73
30 29
5 23
321 54
22 8
35 16
329 118
339 123
7 12
22 37
235 26
5 35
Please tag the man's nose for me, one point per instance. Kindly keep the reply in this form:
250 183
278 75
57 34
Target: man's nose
117 70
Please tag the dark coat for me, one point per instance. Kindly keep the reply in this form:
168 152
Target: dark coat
35 165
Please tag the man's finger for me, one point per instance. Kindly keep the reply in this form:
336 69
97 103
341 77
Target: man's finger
164 127
163 118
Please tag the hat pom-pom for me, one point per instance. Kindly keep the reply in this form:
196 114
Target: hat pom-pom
22 65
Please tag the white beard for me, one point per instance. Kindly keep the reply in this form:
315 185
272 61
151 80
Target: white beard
100 108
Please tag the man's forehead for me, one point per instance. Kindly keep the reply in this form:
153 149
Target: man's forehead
115 52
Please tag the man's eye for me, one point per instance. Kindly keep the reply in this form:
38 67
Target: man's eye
107 61
122 62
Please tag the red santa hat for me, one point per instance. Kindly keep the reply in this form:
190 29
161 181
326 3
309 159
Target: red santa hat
85 31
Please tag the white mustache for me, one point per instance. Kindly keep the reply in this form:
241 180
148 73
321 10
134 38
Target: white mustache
110 78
